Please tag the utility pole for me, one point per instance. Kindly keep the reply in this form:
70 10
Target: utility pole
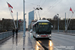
24 25
58 22
65 23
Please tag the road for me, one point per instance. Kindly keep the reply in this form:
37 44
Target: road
57 42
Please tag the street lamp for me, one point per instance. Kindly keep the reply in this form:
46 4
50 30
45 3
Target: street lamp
58 22
24 25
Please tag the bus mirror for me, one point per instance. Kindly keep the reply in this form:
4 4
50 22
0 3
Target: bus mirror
31 31
51 26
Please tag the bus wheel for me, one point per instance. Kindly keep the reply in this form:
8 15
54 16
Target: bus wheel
34 36
36 39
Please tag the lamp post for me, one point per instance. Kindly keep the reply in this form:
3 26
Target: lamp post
58 22
65 23
24 25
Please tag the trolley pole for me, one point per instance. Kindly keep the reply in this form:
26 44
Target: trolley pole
39 8
24 26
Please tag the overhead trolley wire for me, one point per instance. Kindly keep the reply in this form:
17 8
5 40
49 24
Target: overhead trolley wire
53 4
43 3
56 4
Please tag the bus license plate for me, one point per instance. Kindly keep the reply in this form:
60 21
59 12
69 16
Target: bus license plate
44 35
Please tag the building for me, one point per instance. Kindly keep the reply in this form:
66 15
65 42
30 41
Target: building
7 24
20 24
31 25
0 25
31 17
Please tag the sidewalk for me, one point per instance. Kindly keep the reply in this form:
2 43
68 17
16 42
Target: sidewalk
8 45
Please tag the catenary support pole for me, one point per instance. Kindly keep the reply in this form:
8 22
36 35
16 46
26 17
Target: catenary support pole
24 26
58 22
65 23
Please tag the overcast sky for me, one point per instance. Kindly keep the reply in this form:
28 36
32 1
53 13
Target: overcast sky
50 8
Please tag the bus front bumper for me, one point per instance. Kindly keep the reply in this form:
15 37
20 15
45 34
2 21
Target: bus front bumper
43 36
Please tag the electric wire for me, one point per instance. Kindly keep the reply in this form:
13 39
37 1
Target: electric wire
53 4
43 3
56 5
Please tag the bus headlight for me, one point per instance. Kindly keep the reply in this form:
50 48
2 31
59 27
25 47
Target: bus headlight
37 35
49 35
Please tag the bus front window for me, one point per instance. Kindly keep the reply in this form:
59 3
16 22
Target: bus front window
44 28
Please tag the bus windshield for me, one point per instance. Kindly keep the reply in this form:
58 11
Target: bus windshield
44 27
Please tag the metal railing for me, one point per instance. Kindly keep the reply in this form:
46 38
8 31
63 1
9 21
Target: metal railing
4 35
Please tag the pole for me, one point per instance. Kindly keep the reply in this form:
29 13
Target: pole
17 19
39 15
65 23
36 14
69 22
58 22
24 28
13 19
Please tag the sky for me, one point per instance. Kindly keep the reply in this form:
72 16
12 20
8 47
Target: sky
50 8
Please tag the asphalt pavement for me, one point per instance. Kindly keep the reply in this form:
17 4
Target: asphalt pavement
63 42
58 41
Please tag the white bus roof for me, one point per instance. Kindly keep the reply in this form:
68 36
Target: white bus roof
41 21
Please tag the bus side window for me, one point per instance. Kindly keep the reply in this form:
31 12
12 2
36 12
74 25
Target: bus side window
36 28
33 28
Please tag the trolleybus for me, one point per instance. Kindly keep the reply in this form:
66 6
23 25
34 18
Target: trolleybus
42 29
